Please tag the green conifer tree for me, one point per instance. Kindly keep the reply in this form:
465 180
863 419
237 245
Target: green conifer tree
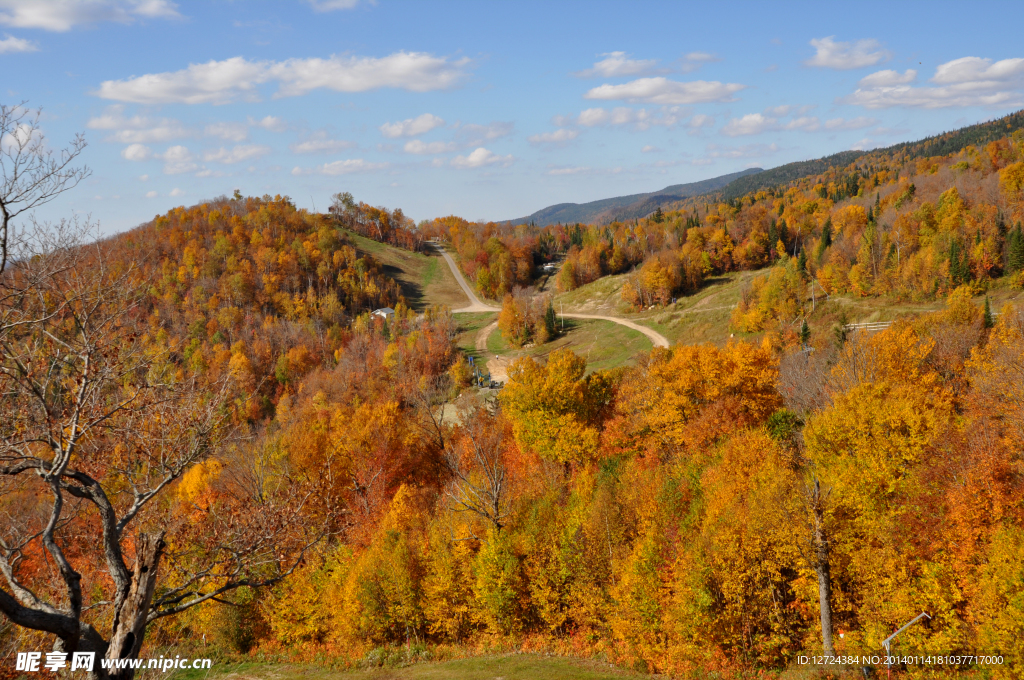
805 332
987 317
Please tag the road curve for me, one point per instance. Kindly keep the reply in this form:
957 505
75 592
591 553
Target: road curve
475 305
657 338
474 302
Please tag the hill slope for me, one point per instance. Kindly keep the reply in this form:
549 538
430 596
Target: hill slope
936 145
626 207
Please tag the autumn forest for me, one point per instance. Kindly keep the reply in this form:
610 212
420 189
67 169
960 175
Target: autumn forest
210 440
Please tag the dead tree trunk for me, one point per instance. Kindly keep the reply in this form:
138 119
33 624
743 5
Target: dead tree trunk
131 617
823 569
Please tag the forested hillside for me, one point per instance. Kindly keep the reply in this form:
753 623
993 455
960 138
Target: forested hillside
208 399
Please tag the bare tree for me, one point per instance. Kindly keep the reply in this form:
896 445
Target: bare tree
480 479
31 174
98 424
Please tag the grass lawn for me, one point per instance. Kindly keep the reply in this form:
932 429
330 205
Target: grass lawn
470 324
425 280
602 343
505 667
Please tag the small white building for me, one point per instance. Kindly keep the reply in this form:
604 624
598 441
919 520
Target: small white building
384 312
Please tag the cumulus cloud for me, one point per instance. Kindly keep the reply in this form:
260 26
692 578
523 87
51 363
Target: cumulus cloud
750 124
177 160
756 123
136 152
889 78
138 129
661 90
618 64
269 123
558 137
232 132
846 55
411 127
175 192
472 134
63 15
236 154
320 142
694 60
220 82
344 167
641 119
968 81
481 157
417 146
10 44
650 149
151 194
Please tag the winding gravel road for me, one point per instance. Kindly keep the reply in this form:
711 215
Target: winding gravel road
475 305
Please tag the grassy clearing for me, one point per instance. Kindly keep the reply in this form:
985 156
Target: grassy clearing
470 324
425 279
705 315
602 343
506 667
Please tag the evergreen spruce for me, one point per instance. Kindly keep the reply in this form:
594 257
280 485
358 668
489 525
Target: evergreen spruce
987 318
550 320
801 263
805 333
1015 250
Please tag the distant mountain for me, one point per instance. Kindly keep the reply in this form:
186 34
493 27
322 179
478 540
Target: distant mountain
936 145
626 207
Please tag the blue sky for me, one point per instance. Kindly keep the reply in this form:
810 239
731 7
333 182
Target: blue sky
487 110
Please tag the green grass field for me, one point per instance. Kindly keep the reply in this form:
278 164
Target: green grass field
602 343
470 324
503 667
425 280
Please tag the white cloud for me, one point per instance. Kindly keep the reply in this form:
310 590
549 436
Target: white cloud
10 44
968 81
419 147
481 157
558 137
701 121
237 154
143 178
136 152
320 142
63 15
410 127
177 160
331 5
175 192
618 64
151 194
472 134
232 132
650 149
641 119
345 167
750 124
844 55
664 91
269 123
694 60
889 78
220 82
805 123
137 129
